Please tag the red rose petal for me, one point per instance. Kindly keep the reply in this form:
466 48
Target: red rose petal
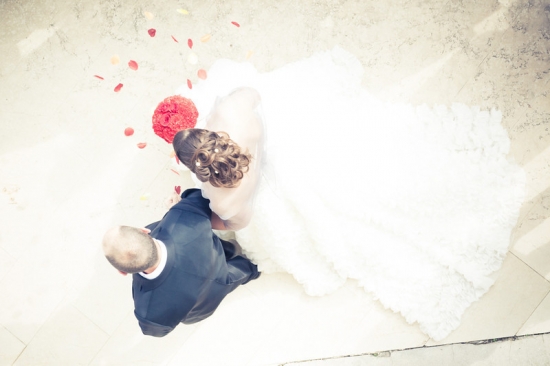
236 24
118 87
133 65
152 32
141 145
177 189
177 159
190 43
189 85
201 74
175 171
175 40
129 131
99 77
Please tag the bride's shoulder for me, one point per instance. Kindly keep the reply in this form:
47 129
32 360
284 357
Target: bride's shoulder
238 115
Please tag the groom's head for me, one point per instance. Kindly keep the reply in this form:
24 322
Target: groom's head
129 249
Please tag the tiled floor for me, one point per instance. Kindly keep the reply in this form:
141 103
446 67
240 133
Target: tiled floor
528 350
67 172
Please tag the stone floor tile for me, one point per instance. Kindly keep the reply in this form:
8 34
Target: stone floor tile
67 338
106 297
530 350
343 322
533 247
539 321
517 292
240 326
128 346
11 347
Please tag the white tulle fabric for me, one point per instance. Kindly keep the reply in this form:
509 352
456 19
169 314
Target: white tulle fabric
416 203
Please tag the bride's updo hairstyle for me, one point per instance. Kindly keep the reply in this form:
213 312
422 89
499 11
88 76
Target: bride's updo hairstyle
212 156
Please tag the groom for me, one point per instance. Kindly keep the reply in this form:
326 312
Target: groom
181 271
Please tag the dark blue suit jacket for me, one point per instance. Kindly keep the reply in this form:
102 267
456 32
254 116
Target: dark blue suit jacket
197 275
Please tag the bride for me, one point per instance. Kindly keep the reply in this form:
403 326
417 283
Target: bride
323 181
230 174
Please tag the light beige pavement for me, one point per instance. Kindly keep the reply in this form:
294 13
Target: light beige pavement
67 172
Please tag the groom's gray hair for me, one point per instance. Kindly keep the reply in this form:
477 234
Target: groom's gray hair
129 249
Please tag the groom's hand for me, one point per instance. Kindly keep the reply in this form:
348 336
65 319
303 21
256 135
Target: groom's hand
172 200
217 222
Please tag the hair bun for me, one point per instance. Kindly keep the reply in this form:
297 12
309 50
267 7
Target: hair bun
219 160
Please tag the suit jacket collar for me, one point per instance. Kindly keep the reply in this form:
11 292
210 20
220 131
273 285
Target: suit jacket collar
143 284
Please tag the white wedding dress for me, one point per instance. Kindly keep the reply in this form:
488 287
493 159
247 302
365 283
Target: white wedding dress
416 203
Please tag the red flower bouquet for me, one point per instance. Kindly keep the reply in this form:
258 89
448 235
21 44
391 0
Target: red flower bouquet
174 114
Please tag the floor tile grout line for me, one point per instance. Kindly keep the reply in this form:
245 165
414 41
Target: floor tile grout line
13 335
11 257
41 326
477 69
19 355
109 338
528 265
88 318
474 343
541 301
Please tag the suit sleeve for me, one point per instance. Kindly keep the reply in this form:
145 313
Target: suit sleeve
153 329
193 201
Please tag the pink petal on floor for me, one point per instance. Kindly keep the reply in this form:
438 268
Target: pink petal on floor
190 43
141 145
99 77
133 65
129 131
175 40
236 24
175 171
189 84
201 74
152 32
177 189
118 87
